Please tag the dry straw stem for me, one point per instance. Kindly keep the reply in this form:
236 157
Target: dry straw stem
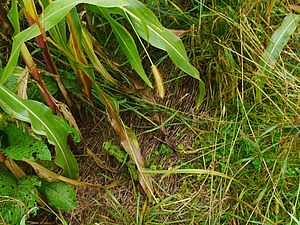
254 210
187 171
48 175
14 168
129 143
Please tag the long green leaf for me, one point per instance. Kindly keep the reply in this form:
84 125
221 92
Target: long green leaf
278 41
43 122
13 16
54 13
128 46
159 36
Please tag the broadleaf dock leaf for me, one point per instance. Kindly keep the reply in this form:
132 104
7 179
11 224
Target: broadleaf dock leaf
59 194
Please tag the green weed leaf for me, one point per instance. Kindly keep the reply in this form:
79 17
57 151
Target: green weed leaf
17 197
43 122
115 151
59 194
20 144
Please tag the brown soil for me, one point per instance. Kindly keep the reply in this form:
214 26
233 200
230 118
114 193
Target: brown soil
92 202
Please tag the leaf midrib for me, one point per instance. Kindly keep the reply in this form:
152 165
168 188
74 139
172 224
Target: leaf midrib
276 43
131 14
41 121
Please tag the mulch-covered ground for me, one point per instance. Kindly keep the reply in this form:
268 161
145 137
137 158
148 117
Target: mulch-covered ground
93 202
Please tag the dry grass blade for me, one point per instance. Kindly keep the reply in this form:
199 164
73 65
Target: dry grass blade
296 8
254 210
83 78
180 33
89 49
129 143
51 177
23 81
14 168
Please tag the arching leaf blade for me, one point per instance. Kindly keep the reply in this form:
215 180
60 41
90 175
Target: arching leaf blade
43 122
278 40
128 46
159 36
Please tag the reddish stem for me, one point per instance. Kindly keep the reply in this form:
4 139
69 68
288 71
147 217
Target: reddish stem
41 40
43 88
2 157
29 62
37 77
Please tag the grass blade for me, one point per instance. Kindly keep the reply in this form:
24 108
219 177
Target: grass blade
128 217
128 46
278 40
88 48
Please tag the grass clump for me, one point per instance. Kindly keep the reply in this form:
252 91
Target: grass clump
254 141
231 159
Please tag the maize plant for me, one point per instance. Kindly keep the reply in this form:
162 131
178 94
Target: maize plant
60 25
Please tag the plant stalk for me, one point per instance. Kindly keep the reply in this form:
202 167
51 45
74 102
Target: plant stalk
83 78
41 40
37 77
29 62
